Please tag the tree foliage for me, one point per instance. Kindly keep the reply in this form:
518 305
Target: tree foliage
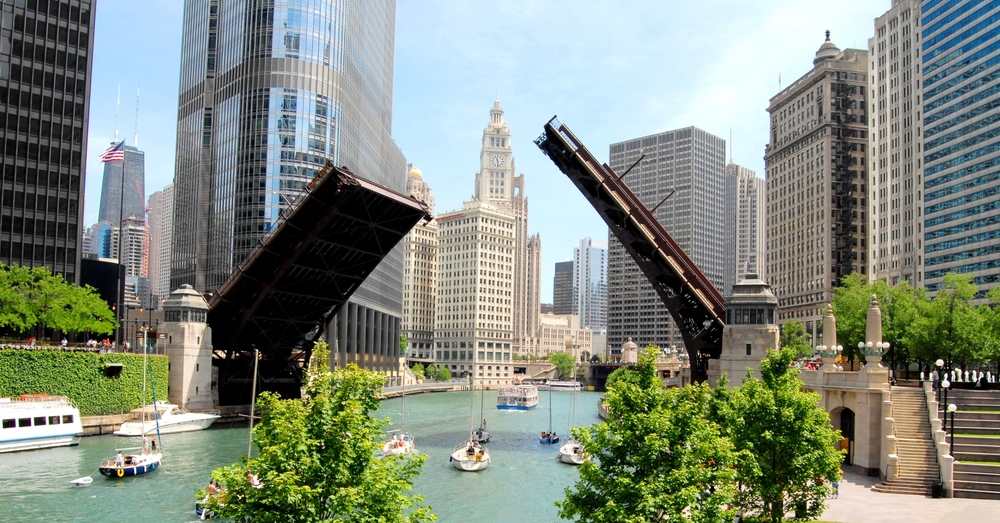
418 371
317 458
441 373
949 327
564 362
899 305
32 298
788 436
661 458
794 338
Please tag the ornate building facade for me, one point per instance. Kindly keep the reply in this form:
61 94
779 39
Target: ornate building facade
420 276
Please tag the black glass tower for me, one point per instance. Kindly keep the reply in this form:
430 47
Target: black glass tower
45 59
134 186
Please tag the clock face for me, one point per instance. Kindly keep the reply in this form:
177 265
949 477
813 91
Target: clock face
497 160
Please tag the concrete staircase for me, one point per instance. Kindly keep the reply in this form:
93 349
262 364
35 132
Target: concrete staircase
977 443
917 467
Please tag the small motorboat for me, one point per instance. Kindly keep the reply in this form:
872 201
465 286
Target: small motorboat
548 438
82 482
399 445
482 435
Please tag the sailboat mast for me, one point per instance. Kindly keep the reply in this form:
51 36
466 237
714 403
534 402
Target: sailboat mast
142 404
253 400
472 402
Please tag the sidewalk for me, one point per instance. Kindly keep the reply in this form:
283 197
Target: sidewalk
858 504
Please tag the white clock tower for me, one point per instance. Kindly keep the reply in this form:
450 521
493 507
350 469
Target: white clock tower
495 179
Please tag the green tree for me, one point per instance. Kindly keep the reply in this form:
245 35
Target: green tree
442 373
788 436
661 459
899 307
403 344
990 320
16 312
317 457
794 337
418 371
565 364
948 326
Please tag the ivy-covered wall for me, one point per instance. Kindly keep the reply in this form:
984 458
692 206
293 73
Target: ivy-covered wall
81 377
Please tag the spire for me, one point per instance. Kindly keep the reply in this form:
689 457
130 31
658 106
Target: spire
135 139
118 105
730 146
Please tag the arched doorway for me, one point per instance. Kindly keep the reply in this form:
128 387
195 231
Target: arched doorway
843 419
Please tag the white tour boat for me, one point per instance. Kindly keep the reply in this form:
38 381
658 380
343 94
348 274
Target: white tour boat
38 421
517 397
560 385
171 418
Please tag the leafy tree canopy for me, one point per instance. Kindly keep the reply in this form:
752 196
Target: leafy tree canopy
899 307
788 436
317 458
661 459
794 338
949 327
32 298
565 365
442 373
418 371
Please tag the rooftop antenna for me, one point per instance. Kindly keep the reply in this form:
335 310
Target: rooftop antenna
730 146
118 105
135 139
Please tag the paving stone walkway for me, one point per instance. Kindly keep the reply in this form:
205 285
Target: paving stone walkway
858 504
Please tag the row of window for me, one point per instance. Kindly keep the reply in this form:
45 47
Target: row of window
960 173
37 421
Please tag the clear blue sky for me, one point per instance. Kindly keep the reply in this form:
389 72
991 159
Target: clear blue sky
611 70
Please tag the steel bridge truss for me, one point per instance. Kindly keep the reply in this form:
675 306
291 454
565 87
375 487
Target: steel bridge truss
694 303
281 298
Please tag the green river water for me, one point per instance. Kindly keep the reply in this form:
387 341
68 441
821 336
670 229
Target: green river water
520 485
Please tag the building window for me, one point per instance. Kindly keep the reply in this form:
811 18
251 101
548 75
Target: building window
749 349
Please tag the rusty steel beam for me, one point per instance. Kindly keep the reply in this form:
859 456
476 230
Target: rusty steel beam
694 303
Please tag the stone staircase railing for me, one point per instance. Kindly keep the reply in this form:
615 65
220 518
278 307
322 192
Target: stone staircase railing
909 464
977 443
945 459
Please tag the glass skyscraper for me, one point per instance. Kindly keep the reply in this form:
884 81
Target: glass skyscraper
270 90
961 130
134 185
45 57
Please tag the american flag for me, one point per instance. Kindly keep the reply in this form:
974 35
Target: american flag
115 153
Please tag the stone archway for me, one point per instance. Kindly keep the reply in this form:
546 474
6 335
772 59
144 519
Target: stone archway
843 419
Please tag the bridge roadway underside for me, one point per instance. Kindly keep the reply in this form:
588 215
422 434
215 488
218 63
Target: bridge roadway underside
695 305
281 298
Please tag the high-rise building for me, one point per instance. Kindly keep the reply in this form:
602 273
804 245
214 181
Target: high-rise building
99 239
160 224
590 284
496 182
961 141
420 275
134 185
474 324
561 333
688 166
269 93
816 167
45 56
896 141
562 289
744 229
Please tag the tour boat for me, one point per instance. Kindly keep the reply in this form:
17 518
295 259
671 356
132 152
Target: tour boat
602 408
560 385
171 419
38 421
517 397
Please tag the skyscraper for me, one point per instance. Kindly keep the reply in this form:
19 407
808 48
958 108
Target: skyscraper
562 289
817 167
590 284
134 185
474 325
691 162
420 275
496 182
269 92
160 224
744 230
961 139
45 58
894 198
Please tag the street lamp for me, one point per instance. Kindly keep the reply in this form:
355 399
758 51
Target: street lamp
951 409
945 384
939 364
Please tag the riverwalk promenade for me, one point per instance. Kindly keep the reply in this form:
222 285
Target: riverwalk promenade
857 503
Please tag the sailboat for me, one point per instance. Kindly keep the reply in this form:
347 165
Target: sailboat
548 438
482 435
471 455
148 458
400 443
572 451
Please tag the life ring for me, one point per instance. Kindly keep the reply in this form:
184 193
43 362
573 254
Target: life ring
120 472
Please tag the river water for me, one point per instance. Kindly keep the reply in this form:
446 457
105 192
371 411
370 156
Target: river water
520 485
